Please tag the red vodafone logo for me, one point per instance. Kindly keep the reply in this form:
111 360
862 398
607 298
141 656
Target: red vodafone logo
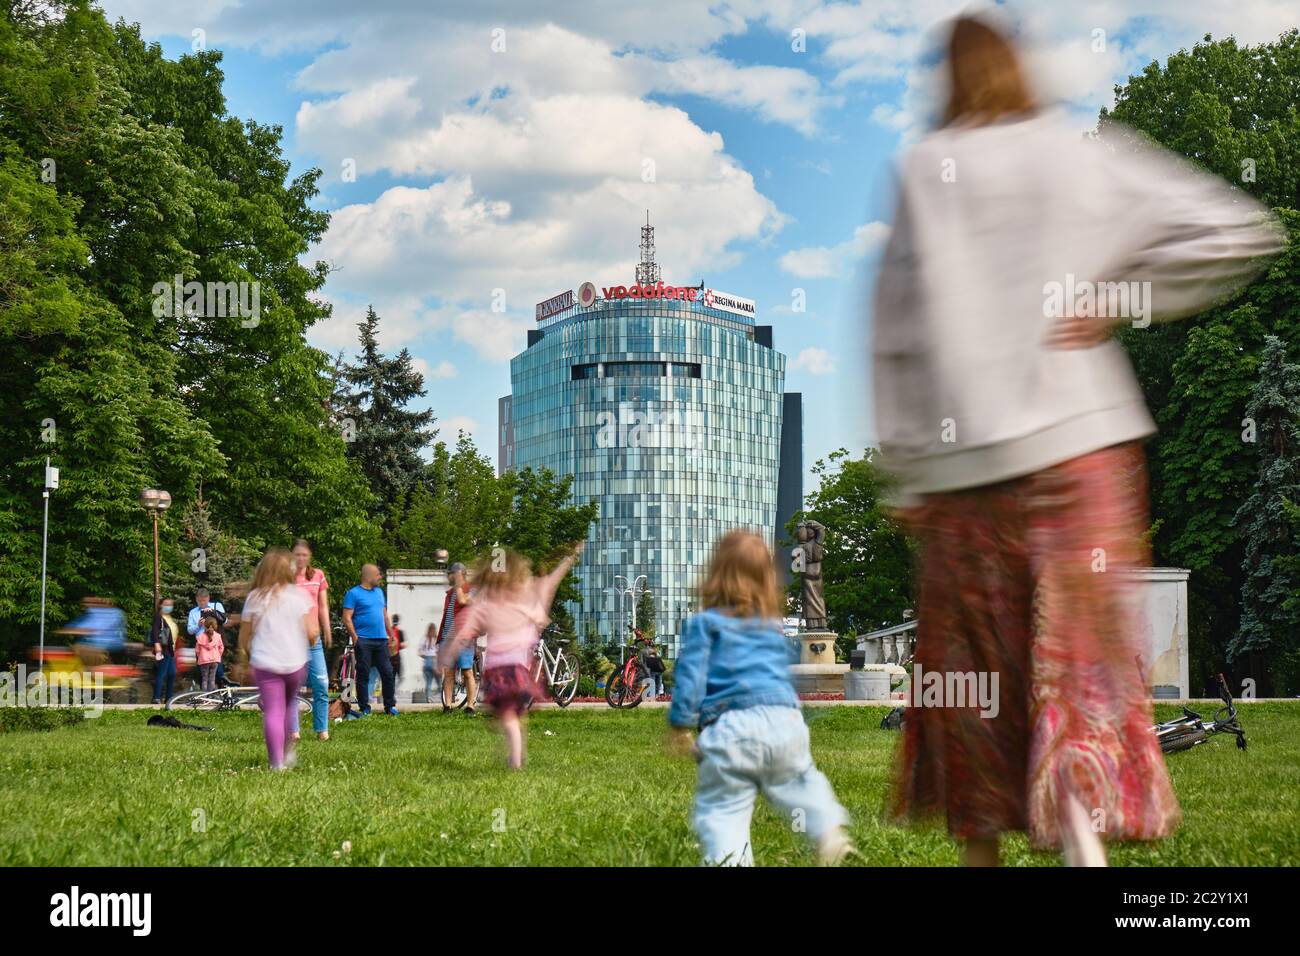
587 294
687 293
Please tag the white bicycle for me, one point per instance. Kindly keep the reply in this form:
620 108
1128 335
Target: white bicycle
229 698
555 670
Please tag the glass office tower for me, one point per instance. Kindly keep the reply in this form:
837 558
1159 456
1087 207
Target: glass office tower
667 413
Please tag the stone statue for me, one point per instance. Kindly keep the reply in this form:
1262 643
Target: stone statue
810 536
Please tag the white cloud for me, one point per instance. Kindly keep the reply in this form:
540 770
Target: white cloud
827 262
443 369
814 361
448 427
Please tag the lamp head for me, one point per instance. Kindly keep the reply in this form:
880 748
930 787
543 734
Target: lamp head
155 500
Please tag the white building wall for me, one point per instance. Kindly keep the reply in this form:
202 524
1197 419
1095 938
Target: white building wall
416 597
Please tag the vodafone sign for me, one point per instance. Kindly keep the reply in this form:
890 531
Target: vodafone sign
688 293
681 293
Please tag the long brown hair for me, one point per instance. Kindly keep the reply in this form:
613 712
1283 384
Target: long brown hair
741 579
501 571
275 569
986 81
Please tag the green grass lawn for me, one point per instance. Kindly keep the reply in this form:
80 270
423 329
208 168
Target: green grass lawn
431 790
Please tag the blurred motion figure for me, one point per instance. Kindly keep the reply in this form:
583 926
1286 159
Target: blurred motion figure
1012 425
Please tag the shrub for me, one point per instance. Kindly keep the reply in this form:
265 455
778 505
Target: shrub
14 719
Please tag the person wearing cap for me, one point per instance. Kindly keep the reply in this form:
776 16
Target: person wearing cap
453 604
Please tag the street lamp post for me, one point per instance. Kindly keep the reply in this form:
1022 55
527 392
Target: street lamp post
631 592
621 594
155 502
51 484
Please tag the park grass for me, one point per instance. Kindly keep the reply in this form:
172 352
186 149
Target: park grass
428 789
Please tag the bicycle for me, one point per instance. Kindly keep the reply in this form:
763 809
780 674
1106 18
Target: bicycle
624 686
458 691
230 697
560 672
1185 732
346 701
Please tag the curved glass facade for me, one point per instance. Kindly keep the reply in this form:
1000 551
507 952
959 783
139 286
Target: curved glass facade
668 414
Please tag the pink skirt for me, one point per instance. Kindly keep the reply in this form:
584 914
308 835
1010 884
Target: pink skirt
509 688
1020 579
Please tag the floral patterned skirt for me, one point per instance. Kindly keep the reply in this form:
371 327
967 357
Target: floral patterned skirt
1019 579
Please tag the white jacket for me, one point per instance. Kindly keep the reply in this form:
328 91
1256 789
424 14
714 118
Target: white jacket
992 224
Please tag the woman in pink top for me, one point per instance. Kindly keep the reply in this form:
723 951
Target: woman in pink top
311 582
510 607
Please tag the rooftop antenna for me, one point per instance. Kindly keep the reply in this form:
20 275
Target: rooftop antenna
647 270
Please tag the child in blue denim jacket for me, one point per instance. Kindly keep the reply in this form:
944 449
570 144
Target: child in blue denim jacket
732 681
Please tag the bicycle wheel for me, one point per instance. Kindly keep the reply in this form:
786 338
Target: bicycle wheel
565 685
634 693
1177 742
201 700
615 690
458 692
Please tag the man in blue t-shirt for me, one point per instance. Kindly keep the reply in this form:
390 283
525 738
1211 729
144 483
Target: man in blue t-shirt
365 615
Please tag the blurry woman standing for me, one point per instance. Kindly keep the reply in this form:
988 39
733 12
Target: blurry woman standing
1012 425
163 638
276 628
311 581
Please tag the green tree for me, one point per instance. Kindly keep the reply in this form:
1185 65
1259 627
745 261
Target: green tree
1231 109
867 569
1270 598
459 504
646 615
119 171
77 383
462 505
388 437
205 556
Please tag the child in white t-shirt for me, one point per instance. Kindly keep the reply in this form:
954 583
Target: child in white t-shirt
277 626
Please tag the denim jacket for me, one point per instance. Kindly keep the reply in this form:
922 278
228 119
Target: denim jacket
728 663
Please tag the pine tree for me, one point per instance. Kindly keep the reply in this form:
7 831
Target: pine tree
386 437
645 615
1271 594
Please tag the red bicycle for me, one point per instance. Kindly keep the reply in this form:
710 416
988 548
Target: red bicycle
626 684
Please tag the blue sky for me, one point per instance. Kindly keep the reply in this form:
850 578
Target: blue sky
501 151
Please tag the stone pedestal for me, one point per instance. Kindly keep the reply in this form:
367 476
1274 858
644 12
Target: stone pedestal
872 682
817 672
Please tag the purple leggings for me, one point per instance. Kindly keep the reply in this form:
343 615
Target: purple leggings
278 694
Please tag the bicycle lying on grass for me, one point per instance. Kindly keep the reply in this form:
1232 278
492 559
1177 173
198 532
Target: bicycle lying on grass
1187 731
231 697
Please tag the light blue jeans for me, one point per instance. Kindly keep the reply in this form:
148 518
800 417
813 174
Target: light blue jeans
752 750
318 679
430 666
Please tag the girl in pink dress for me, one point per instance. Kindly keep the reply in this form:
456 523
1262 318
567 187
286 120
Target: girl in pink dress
510 607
